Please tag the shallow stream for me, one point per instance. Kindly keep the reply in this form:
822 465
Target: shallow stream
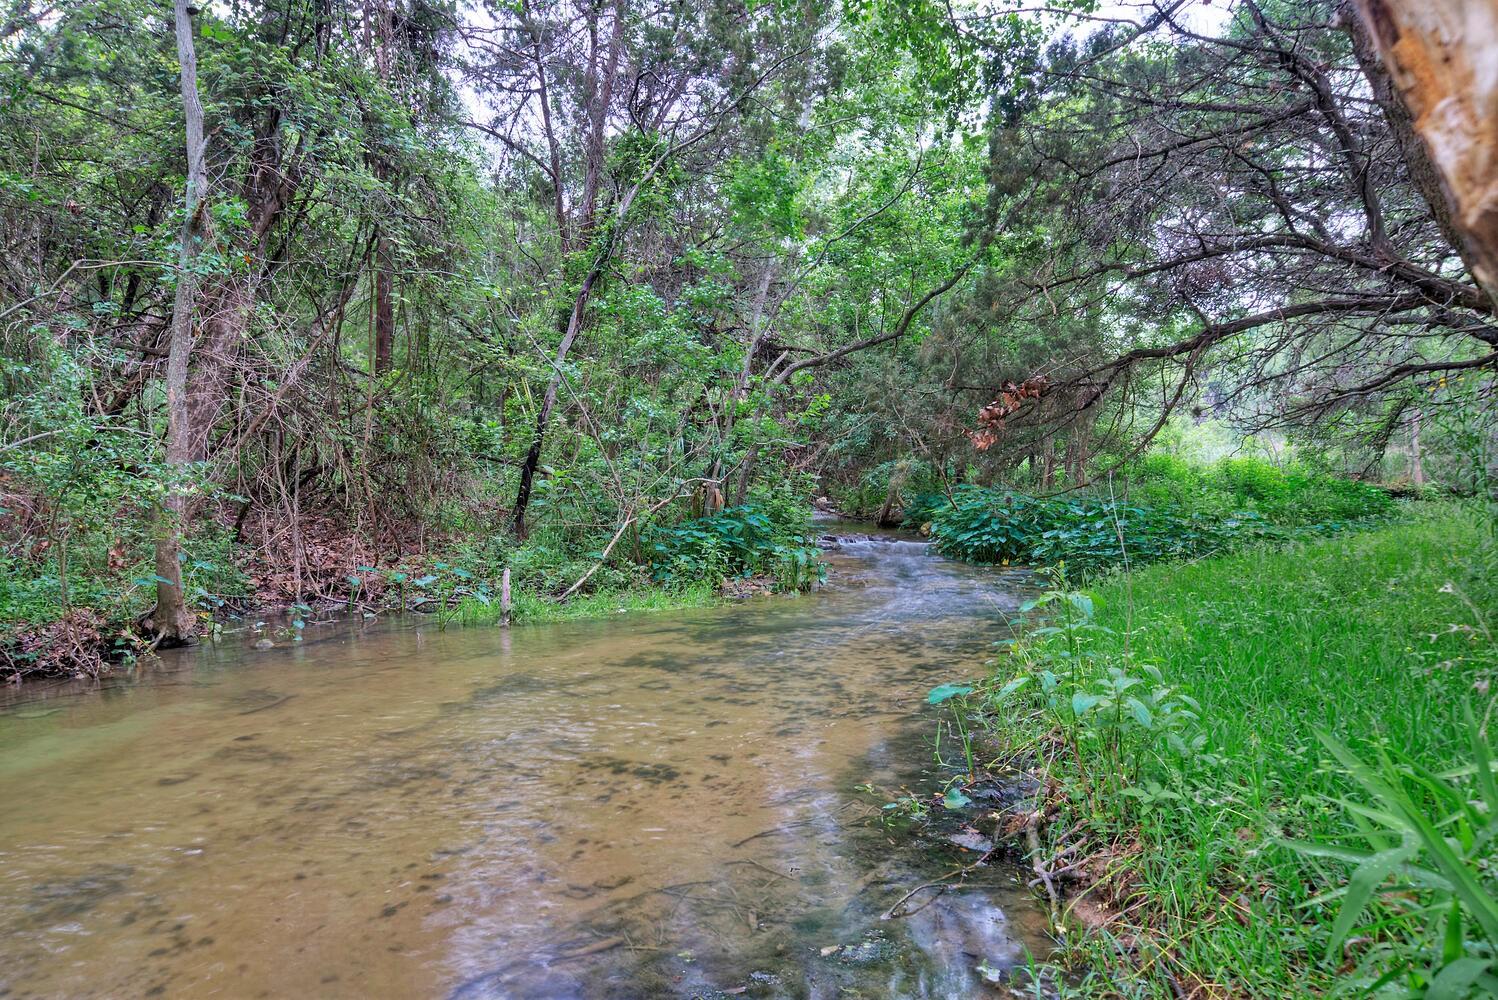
648 806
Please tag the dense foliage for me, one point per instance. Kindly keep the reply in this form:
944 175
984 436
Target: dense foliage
739 541
366 305
542 287
1169 510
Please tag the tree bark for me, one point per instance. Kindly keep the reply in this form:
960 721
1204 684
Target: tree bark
173 620
1438 61
740 391
384 311
532 461
598 92
1417 458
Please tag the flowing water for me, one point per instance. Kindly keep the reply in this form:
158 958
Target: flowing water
650 806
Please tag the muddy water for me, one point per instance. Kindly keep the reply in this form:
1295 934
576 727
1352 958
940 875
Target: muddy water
651 806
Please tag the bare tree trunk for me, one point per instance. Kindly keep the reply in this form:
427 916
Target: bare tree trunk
173 619
886 516
549 401
1442 61
1417 460
741 384
1078 451
598 91
384 311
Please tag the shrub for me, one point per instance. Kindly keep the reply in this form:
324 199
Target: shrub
1170 510
1084 531
922 508
739 541
1293 496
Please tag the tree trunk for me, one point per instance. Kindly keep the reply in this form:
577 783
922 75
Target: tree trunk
741 385
1436 76
384 311
173 619
383 335
1078 451
549 401
598 90
1417 460
223 309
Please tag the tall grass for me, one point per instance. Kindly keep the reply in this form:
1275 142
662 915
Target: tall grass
1190 728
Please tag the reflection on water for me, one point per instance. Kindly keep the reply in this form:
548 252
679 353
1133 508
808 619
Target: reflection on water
641 807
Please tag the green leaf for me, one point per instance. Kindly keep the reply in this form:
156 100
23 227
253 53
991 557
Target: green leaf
1366 879
943 692
954 799
1082 702
1456 979
1009 689
1082 603
1451 948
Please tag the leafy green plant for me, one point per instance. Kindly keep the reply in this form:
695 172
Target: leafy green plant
1124 726
798 568
959 727
922 508
1192 514
739 541
1424 880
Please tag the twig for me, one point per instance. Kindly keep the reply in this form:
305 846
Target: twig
941 882
763 868
770 833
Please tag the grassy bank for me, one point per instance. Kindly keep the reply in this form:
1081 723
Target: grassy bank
1174 718
531 609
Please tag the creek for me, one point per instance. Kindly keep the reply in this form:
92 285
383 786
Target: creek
660 805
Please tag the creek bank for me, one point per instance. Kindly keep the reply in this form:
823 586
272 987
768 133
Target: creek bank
82 645
1185 800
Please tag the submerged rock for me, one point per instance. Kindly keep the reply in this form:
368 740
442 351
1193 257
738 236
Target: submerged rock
969 841
872 950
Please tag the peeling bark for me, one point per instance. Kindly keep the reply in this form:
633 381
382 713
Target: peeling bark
1441 60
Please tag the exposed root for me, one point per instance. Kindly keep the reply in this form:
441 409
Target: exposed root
1032 841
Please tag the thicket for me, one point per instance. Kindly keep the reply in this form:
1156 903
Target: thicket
749 540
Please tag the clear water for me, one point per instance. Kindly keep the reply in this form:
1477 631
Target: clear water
659 805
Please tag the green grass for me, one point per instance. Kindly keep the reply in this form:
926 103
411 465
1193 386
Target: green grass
531 608
1378 638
